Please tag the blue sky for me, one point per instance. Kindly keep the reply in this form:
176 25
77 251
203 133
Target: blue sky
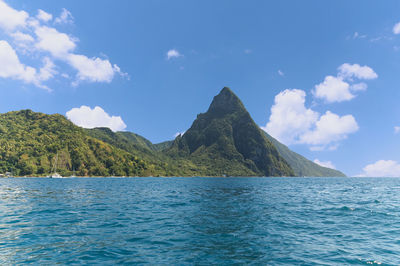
321 76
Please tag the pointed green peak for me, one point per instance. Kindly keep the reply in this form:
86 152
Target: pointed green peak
225 140
226 102
227 93
226 90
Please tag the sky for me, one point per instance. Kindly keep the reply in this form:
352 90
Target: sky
322 77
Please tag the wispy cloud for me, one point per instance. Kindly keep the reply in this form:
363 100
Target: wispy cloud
64 18
357 35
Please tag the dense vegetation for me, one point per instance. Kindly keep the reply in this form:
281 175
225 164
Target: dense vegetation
29 143
224 141
142 148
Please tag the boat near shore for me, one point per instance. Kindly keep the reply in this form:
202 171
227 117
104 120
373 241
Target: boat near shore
54 173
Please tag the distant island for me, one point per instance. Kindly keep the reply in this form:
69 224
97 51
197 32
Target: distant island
224 141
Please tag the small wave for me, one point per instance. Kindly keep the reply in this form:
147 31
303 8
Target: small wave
373 262
345 208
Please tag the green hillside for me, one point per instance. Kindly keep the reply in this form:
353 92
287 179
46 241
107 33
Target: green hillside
300 165
140 147
224 141
163 145
127 141
29 142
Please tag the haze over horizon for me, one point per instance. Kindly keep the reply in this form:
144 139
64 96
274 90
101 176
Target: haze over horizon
319 77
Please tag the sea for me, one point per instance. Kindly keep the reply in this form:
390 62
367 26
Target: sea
200 221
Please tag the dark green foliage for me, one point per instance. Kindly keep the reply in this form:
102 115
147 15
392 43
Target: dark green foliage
29 142
140 147
163 145
226 141
300 165
136 139
223 141
127 141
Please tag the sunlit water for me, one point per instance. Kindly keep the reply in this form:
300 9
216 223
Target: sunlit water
276 221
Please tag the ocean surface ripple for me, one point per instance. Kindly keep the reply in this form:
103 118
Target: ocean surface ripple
224 221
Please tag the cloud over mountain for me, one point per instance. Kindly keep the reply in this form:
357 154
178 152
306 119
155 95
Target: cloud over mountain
328 164
87 117
291 122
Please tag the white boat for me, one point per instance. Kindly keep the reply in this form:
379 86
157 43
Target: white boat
73 175
55 174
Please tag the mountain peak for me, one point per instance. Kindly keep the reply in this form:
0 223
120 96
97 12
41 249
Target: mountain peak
226 102
226 140
226 90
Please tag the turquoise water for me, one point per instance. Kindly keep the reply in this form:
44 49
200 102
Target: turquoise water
276 221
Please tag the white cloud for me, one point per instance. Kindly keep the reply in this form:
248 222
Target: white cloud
333 89
11 67
330 128
11 18
357 35
376 39
48 70
44 16
93 69
280 72
46 46
292 123
23 41
65 17
60 46
21 37
348 71
331 147
328 164
179 133
248 51
173 54
382 168
289 117
339 89
57 43
96 117
359 87
396 28
396 129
